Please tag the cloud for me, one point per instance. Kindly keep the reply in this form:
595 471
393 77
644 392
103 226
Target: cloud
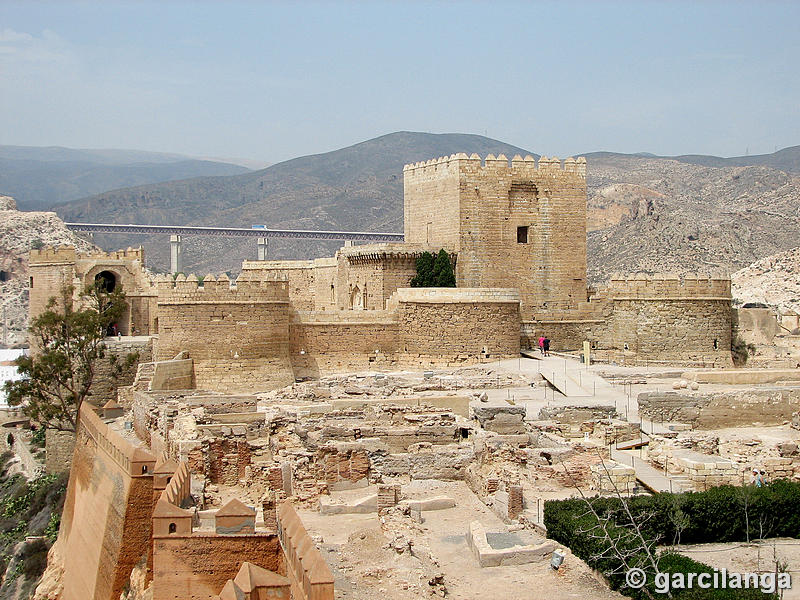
19 47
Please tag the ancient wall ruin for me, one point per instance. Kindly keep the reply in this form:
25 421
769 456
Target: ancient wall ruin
770 405
105 526
191 563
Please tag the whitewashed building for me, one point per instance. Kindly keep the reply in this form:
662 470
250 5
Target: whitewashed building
8 371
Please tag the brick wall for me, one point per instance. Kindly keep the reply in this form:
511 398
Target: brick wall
106 521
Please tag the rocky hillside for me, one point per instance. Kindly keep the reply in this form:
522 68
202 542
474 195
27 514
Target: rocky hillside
663 215
774 280
19 232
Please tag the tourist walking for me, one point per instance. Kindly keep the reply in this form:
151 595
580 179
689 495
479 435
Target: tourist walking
546 346
541 344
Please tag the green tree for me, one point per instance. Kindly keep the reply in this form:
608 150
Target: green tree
58 375
424 276
434 271
443 275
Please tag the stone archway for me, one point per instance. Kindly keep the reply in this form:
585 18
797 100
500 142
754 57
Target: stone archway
108 281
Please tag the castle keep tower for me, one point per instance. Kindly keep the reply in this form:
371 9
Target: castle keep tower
513 226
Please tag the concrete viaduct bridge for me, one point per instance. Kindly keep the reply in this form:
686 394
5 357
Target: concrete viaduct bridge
262 235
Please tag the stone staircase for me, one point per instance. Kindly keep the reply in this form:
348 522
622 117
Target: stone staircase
144 377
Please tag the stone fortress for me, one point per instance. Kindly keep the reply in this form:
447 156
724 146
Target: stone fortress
516 234
245 390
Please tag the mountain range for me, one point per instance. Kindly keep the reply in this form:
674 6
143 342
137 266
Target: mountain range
40 178
646 213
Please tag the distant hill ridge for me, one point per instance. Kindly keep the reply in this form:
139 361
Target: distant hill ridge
646 213
42 177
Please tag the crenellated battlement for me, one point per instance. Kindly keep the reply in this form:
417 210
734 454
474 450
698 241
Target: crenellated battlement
133 460
126 254
519 166
665 286
52 254
69 254
250 287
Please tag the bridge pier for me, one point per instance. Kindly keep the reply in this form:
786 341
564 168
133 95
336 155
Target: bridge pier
263 246
175 254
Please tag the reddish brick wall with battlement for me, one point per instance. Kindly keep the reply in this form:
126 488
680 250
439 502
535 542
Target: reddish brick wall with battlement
105 526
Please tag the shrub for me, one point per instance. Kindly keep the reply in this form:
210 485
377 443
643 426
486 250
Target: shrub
721 514
434 271
741 351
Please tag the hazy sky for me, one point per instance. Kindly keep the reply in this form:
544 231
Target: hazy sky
272 81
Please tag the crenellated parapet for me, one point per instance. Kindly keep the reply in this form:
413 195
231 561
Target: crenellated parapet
667 286
56 254
133 460
70 254
250 287
519 166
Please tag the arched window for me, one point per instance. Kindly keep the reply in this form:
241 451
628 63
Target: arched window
144 469
173 528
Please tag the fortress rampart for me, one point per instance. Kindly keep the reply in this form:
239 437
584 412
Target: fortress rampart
237 336
664 287
667 318
105 525
448 325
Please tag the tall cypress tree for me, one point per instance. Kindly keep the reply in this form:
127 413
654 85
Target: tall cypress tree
443 275
424 276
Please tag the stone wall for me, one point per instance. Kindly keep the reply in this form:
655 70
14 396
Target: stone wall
518 225
334 342
59 448
714 410
451 325
111 372
173 375
106 522
237 336
642 318
671 319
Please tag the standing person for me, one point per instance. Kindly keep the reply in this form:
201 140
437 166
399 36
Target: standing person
763 477
546 346
754 479
541 344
